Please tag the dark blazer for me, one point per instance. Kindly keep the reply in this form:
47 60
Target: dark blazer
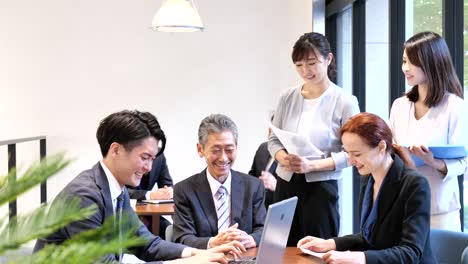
159 174
261 159
401 232
195 219
93 188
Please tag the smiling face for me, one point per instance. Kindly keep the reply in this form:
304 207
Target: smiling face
312 69
220 152
414 74
366 159
129 166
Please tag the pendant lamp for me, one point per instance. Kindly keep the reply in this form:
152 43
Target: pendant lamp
177 16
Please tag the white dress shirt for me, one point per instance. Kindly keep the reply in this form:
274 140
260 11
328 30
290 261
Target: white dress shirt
114 186
116 190
214 186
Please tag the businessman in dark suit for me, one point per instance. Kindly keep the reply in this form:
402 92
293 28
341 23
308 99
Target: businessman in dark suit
204 217
264 167
159 175
129 143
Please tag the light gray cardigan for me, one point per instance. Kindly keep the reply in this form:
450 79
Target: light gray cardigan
335 108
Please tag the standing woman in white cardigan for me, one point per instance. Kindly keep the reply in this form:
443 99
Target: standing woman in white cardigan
433 113
317 109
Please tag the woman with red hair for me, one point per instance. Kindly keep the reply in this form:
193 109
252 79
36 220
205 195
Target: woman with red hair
394 202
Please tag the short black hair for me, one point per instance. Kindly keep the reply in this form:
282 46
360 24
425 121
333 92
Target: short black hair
129 128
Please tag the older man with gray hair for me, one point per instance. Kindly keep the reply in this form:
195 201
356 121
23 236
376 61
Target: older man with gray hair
218 205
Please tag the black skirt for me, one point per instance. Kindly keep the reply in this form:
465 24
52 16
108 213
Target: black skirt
317 207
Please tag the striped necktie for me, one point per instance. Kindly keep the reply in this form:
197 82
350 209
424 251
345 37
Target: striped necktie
118 213
222 208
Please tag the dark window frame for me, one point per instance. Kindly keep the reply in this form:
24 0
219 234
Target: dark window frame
453 34
358 70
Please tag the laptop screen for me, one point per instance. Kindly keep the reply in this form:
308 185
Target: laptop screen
276 231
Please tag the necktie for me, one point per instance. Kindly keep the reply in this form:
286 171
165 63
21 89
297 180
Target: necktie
118 213
222 208
272 168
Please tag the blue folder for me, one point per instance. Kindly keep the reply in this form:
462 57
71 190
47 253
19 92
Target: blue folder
443 152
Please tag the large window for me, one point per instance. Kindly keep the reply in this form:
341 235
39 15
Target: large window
344 53
377 59
427 15
344 62
465 85
384 80
465 47
423 15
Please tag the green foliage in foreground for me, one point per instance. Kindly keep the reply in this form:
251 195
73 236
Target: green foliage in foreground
87 247
37 173
41 222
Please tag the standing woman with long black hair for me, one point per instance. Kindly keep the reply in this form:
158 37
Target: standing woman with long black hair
433 113
317 109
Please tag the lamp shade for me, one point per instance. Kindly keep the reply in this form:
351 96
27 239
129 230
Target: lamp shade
177 16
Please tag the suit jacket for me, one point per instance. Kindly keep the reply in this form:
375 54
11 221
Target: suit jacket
93 188
195 219
401 231
261 159
159 174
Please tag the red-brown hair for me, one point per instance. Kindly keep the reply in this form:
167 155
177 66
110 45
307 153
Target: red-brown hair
371 128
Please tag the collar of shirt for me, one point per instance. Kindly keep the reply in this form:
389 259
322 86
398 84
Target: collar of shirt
214 184
114 185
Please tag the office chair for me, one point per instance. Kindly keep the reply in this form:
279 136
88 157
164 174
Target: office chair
448 246
464 258
169 233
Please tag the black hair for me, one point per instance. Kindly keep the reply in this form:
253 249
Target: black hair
428 51
309 43
129 128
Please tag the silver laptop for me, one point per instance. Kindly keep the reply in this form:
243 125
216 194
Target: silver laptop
275 233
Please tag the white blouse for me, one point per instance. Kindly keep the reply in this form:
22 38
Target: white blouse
308 111
441 125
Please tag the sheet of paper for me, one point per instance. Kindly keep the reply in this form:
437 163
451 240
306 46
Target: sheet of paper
312 253
158 201
131 259
297 144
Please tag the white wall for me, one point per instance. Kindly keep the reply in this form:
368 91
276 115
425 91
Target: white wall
66 64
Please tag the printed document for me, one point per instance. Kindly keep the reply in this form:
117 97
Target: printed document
295 144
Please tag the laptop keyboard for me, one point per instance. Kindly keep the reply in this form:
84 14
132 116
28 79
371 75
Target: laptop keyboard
243 260
252 261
